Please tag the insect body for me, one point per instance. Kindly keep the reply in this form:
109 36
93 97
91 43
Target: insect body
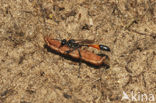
71 43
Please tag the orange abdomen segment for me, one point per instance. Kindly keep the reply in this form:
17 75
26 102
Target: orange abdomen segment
94 46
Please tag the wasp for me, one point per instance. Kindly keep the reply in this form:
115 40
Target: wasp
76 44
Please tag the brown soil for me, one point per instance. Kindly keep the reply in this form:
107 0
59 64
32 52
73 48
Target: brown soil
31 74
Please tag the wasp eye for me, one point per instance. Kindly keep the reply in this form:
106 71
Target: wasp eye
63 42
105 48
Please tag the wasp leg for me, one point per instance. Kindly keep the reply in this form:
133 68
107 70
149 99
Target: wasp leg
69 51
79 63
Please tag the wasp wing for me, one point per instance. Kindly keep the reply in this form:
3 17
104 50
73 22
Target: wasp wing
86 41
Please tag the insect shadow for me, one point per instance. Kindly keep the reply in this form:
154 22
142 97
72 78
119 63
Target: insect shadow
106 66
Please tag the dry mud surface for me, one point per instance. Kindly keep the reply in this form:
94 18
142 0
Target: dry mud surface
31 74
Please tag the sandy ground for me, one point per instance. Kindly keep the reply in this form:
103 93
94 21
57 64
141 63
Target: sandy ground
31 74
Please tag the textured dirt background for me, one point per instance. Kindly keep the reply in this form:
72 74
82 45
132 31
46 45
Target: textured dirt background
31 74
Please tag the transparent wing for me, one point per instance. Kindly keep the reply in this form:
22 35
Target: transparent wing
86 41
